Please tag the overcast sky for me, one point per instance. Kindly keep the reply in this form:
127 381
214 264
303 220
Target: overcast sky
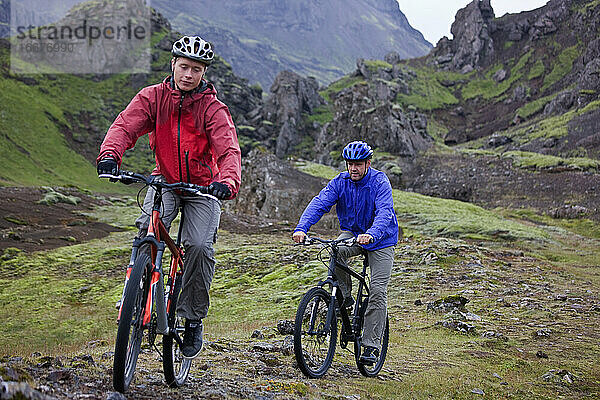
434 17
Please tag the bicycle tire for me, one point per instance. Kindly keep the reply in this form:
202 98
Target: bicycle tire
176 368
371 371
131 330
314 351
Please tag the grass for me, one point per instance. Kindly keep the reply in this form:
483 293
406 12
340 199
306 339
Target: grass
321 115
563 65
341 84
534 107
63 299
488 88
530 160
426 91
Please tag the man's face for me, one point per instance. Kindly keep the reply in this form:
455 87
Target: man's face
187 73
357 169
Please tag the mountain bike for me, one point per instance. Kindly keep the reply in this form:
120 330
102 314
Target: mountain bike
148 303
315 327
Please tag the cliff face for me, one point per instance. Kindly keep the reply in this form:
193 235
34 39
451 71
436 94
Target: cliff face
317 38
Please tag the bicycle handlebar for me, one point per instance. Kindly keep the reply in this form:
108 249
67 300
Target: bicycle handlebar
128 176
316 240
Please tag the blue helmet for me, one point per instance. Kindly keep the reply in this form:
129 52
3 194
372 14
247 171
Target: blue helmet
357 151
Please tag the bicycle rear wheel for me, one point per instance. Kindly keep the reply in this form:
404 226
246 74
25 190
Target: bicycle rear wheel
372 370
131 326
176 368
314 342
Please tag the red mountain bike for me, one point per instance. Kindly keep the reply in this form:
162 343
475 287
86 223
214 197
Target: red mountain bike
149 303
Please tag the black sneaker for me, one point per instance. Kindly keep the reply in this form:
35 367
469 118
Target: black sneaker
369 356
192 339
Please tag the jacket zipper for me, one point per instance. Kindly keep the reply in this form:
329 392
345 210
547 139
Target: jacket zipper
179 136
187 166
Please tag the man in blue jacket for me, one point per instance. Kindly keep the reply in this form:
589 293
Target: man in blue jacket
365 210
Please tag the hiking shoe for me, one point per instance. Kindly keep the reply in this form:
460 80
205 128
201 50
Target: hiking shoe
192 339
369 356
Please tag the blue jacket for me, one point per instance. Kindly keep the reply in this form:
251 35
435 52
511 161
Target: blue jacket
365 206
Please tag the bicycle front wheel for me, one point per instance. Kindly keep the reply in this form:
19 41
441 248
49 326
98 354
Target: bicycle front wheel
372 370
176 368
314 341
131 323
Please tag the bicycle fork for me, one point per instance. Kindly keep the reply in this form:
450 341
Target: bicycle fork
156 288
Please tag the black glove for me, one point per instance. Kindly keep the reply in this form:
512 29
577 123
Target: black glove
108 166
219 190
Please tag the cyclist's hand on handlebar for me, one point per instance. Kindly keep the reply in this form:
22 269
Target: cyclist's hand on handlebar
299 237
108 166
364 238
220 190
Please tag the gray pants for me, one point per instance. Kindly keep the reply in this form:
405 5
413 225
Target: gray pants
380 263
199 233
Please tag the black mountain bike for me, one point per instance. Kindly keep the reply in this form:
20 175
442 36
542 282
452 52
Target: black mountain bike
315 328
148 304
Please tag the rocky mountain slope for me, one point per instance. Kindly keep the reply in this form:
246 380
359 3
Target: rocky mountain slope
260 38
511 98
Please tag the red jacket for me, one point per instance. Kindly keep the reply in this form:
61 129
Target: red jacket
191 134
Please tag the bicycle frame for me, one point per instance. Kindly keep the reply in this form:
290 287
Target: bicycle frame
158 238
349 328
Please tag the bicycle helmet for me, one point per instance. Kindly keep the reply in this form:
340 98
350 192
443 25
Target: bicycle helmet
357 151
195 48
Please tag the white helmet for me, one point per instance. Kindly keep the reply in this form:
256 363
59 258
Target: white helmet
195 48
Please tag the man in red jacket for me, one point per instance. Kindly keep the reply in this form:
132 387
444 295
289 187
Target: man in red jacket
194 140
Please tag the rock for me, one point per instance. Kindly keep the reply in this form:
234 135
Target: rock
459 326
498 140
264 347
569 212
541 354
287 347
448 303
291 95
418 302
472 43
392 58
285 327
257 334
478 391
559 376
115 396
500 75
21 390
561 103
544 332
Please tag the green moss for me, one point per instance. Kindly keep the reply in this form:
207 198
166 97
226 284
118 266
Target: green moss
452 218
508 44
488 88
321 115
529 160
426 91
315 169
563 65
536 70
436 130
341 84
534 107
374 65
